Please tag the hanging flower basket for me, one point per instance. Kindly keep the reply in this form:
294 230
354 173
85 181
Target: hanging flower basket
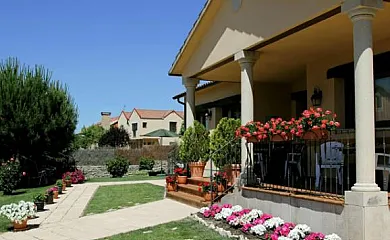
317 134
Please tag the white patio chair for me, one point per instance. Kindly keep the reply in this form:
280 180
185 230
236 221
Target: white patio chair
330 157
382 163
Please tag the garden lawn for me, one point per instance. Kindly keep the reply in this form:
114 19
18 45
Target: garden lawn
20 194
108 198
183 229
127 178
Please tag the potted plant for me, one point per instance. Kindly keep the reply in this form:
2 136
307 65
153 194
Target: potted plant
59 186
49 196
221 180
39 201
55 192
209 190
181 174
194 148
171 183
67 179
19 213
316 123
225 147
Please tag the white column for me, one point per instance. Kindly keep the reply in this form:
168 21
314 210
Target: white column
246 59
361 14
365 202
190 85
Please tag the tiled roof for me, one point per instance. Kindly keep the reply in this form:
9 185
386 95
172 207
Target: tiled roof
203 86
155 114
127 114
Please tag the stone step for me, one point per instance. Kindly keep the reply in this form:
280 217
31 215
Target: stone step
189 199
190 189
196 181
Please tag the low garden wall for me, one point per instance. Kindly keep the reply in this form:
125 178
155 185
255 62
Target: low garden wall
93 161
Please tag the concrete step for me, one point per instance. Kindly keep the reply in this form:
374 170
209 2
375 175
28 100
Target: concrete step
190 189
196 181
189 199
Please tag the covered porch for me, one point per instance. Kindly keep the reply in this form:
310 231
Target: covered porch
278 77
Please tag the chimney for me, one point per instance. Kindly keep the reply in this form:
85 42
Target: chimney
106 120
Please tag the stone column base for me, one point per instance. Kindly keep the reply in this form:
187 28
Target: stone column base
365 215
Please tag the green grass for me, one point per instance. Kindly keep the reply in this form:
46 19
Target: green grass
180 230
127 178
20 194
120 196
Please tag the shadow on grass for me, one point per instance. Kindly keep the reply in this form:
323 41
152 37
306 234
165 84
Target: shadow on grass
16 193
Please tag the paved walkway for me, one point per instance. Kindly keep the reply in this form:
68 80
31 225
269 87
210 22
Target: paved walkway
63 221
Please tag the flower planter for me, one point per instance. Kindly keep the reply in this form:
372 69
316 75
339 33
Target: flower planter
40 206
49 199
68 183
19 226
197 169
59 190
170 187
280 138
208 196
182 179
221 188
55 194
252 139
233 171
317 134
63 186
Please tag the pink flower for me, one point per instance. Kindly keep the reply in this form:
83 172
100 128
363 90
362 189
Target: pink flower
24 173
317 115
331 123
323 126
319 109
315 236
327 112
337 124
227 206
246 227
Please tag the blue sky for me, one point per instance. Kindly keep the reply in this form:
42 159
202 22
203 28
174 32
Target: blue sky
111 54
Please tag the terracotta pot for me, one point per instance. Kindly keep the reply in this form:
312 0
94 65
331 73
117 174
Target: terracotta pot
221 188
197 169
170 187
68 183
317 134
207 196
182 179
55 194
233 171
63 186
20 226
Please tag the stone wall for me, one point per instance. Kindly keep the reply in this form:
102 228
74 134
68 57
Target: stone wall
98 171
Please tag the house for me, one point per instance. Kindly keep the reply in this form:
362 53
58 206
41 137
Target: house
276 58
107 121
142 121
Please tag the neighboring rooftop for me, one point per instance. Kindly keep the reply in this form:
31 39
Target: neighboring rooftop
156 114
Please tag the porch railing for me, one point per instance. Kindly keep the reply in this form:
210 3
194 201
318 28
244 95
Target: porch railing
323 168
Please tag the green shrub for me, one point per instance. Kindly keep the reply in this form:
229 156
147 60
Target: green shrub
10 176
194 146
146 163
225 147
117 166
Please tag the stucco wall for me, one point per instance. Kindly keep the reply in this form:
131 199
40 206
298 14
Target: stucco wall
255 21
217 92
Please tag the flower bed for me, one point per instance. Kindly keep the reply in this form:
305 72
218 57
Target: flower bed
254 224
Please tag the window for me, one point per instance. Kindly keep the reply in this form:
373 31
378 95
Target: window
144 124
382 101
173 126
134 128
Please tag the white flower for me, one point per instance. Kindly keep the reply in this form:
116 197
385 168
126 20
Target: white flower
304 228
203 209
296 234
226 212
284 238
218 216
258 230
273 223
332 237
235 221
252 215
236 208
18 212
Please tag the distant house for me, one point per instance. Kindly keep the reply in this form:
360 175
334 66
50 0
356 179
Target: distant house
107 121
142 121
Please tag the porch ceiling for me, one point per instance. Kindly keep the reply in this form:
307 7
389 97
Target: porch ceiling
286 59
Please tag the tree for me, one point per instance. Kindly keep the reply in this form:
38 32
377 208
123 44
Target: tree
88 136
37 116
115 137
224 146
